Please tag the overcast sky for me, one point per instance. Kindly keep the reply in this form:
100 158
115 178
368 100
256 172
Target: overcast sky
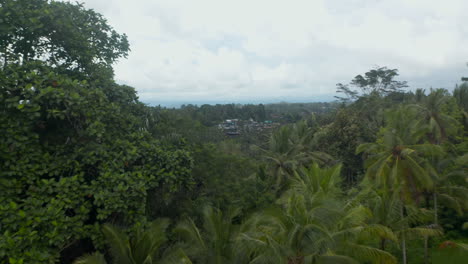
290 50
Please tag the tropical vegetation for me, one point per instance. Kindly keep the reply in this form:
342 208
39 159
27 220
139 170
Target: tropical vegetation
90 174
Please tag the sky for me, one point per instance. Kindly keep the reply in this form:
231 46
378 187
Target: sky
259 51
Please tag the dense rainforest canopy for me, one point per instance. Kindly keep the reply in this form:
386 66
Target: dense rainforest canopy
90 174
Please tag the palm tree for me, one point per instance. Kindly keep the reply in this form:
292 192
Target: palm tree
461 96
290 148
433 119
395 159
437 125
386 209
460 93
312 225
419 95
319 233
450 187
96 258
213 242
143 248
315 180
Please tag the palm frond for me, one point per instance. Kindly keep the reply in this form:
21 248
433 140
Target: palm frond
95 258
118 243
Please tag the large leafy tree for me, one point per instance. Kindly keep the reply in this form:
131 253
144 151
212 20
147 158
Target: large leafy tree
74 146
379 81
342 137
61 33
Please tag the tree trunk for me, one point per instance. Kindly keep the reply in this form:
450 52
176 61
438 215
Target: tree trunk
403 238
403 247
296 260
382 243
426 253
436 220
5 56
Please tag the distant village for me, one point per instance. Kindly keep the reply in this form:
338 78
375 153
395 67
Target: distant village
235 127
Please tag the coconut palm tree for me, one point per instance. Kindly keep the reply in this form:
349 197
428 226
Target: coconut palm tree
386 207
315 180
395 160
312 224
451 187
290 148
437 124
460 93
213 241
95 258
325 232
433 119
419 95
144 247
461 96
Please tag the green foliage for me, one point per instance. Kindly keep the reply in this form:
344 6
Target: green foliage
432 109
96 258
395 160
145 247
37 29
142 248
74 149
312 225
85 166
214 240
224 179
379 81
289 148
461 95
71 157
340 139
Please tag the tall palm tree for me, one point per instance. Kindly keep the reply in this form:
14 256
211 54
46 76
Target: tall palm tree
461 96
460 93
386 209
451 187
433 119
438 125
419 95
212 242
395 160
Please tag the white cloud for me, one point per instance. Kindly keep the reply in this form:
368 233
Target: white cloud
258 49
